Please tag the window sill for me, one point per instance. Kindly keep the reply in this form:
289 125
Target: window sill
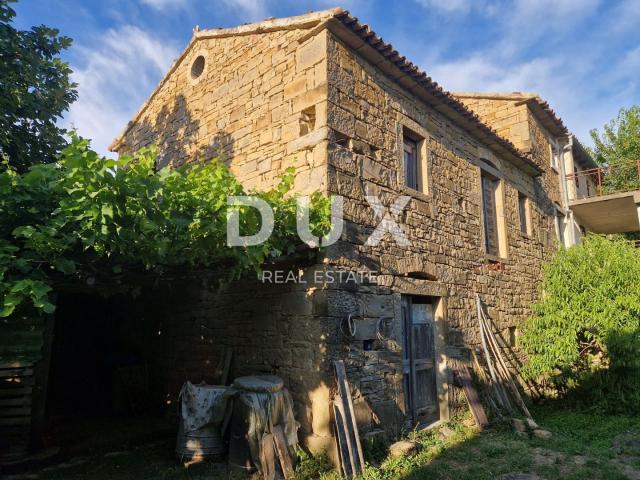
425 197
494 259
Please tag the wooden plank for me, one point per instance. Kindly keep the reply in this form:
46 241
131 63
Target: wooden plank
283 452
351 428
504 370
14 438
15 421
9 383
16 372
498 387
226 366
15 390
267 457
344 452
16 364
15 411
472 397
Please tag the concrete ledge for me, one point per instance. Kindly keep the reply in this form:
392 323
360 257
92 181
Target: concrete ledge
615 213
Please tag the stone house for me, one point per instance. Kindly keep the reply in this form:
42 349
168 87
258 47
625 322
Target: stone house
533 127
323 93
579 203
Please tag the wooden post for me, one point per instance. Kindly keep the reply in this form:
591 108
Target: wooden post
345 419
599 180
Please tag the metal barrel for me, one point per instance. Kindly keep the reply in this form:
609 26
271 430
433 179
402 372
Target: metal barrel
205 443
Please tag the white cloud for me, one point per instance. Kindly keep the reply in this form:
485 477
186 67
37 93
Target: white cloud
573 85
481 73
114 79
625 17
448 6
254 10
163 5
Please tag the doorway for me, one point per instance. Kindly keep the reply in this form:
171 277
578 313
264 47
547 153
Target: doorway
99 379
419 360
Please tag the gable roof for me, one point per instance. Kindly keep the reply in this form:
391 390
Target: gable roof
545 115
540 107
383 56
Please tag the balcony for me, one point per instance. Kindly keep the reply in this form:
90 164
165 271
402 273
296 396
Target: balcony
607 199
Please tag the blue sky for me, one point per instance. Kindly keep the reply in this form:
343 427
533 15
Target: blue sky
583 56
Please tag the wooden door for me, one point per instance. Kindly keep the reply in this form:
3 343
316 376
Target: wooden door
421 395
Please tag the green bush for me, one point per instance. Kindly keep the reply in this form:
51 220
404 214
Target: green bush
583 338
89 220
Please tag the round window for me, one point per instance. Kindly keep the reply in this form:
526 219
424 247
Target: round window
197 67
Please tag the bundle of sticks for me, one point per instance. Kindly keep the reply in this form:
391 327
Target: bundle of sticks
503 391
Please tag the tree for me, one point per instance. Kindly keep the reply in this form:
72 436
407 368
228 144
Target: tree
36 90
618 147
584 335
89 220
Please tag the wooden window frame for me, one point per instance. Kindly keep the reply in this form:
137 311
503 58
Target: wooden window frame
411 130
524 214
555 154
410 162
501 252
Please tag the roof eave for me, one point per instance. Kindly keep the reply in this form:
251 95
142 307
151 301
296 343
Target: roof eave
381 55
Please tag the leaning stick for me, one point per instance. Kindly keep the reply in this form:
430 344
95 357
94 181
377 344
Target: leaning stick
500 395
505 371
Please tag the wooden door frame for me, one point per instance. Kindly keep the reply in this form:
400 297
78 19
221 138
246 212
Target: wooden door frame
439 298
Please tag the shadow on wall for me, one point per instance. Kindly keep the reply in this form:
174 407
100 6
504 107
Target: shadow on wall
269 329
179 137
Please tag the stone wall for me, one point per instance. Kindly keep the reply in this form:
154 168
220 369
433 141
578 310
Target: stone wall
259 104
366 114
295 98
513 120
271 329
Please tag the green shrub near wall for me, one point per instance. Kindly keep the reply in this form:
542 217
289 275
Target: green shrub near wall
584 336
91 221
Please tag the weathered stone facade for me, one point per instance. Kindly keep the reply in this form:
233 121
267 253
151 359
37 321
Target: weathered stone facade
258 92
309 92
530 124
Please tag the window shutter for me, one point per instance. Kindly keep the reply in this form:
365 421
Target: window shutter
489 188
410 164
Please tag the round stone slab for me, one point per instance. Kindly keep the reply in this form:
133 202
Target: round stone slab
259 383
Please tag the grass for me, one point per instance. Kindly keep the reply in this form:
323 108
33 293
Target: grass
583 445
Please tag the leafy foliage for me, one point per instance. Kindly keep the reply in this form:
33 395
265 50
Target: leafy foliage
618 147
35 89
91 220
584 335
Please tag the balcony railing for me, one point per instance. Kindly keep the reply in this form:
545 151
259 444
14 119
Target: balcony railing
621 177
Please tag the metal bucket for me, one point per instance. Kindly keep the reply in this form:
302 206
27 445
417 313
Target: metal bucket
203 444
201 417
